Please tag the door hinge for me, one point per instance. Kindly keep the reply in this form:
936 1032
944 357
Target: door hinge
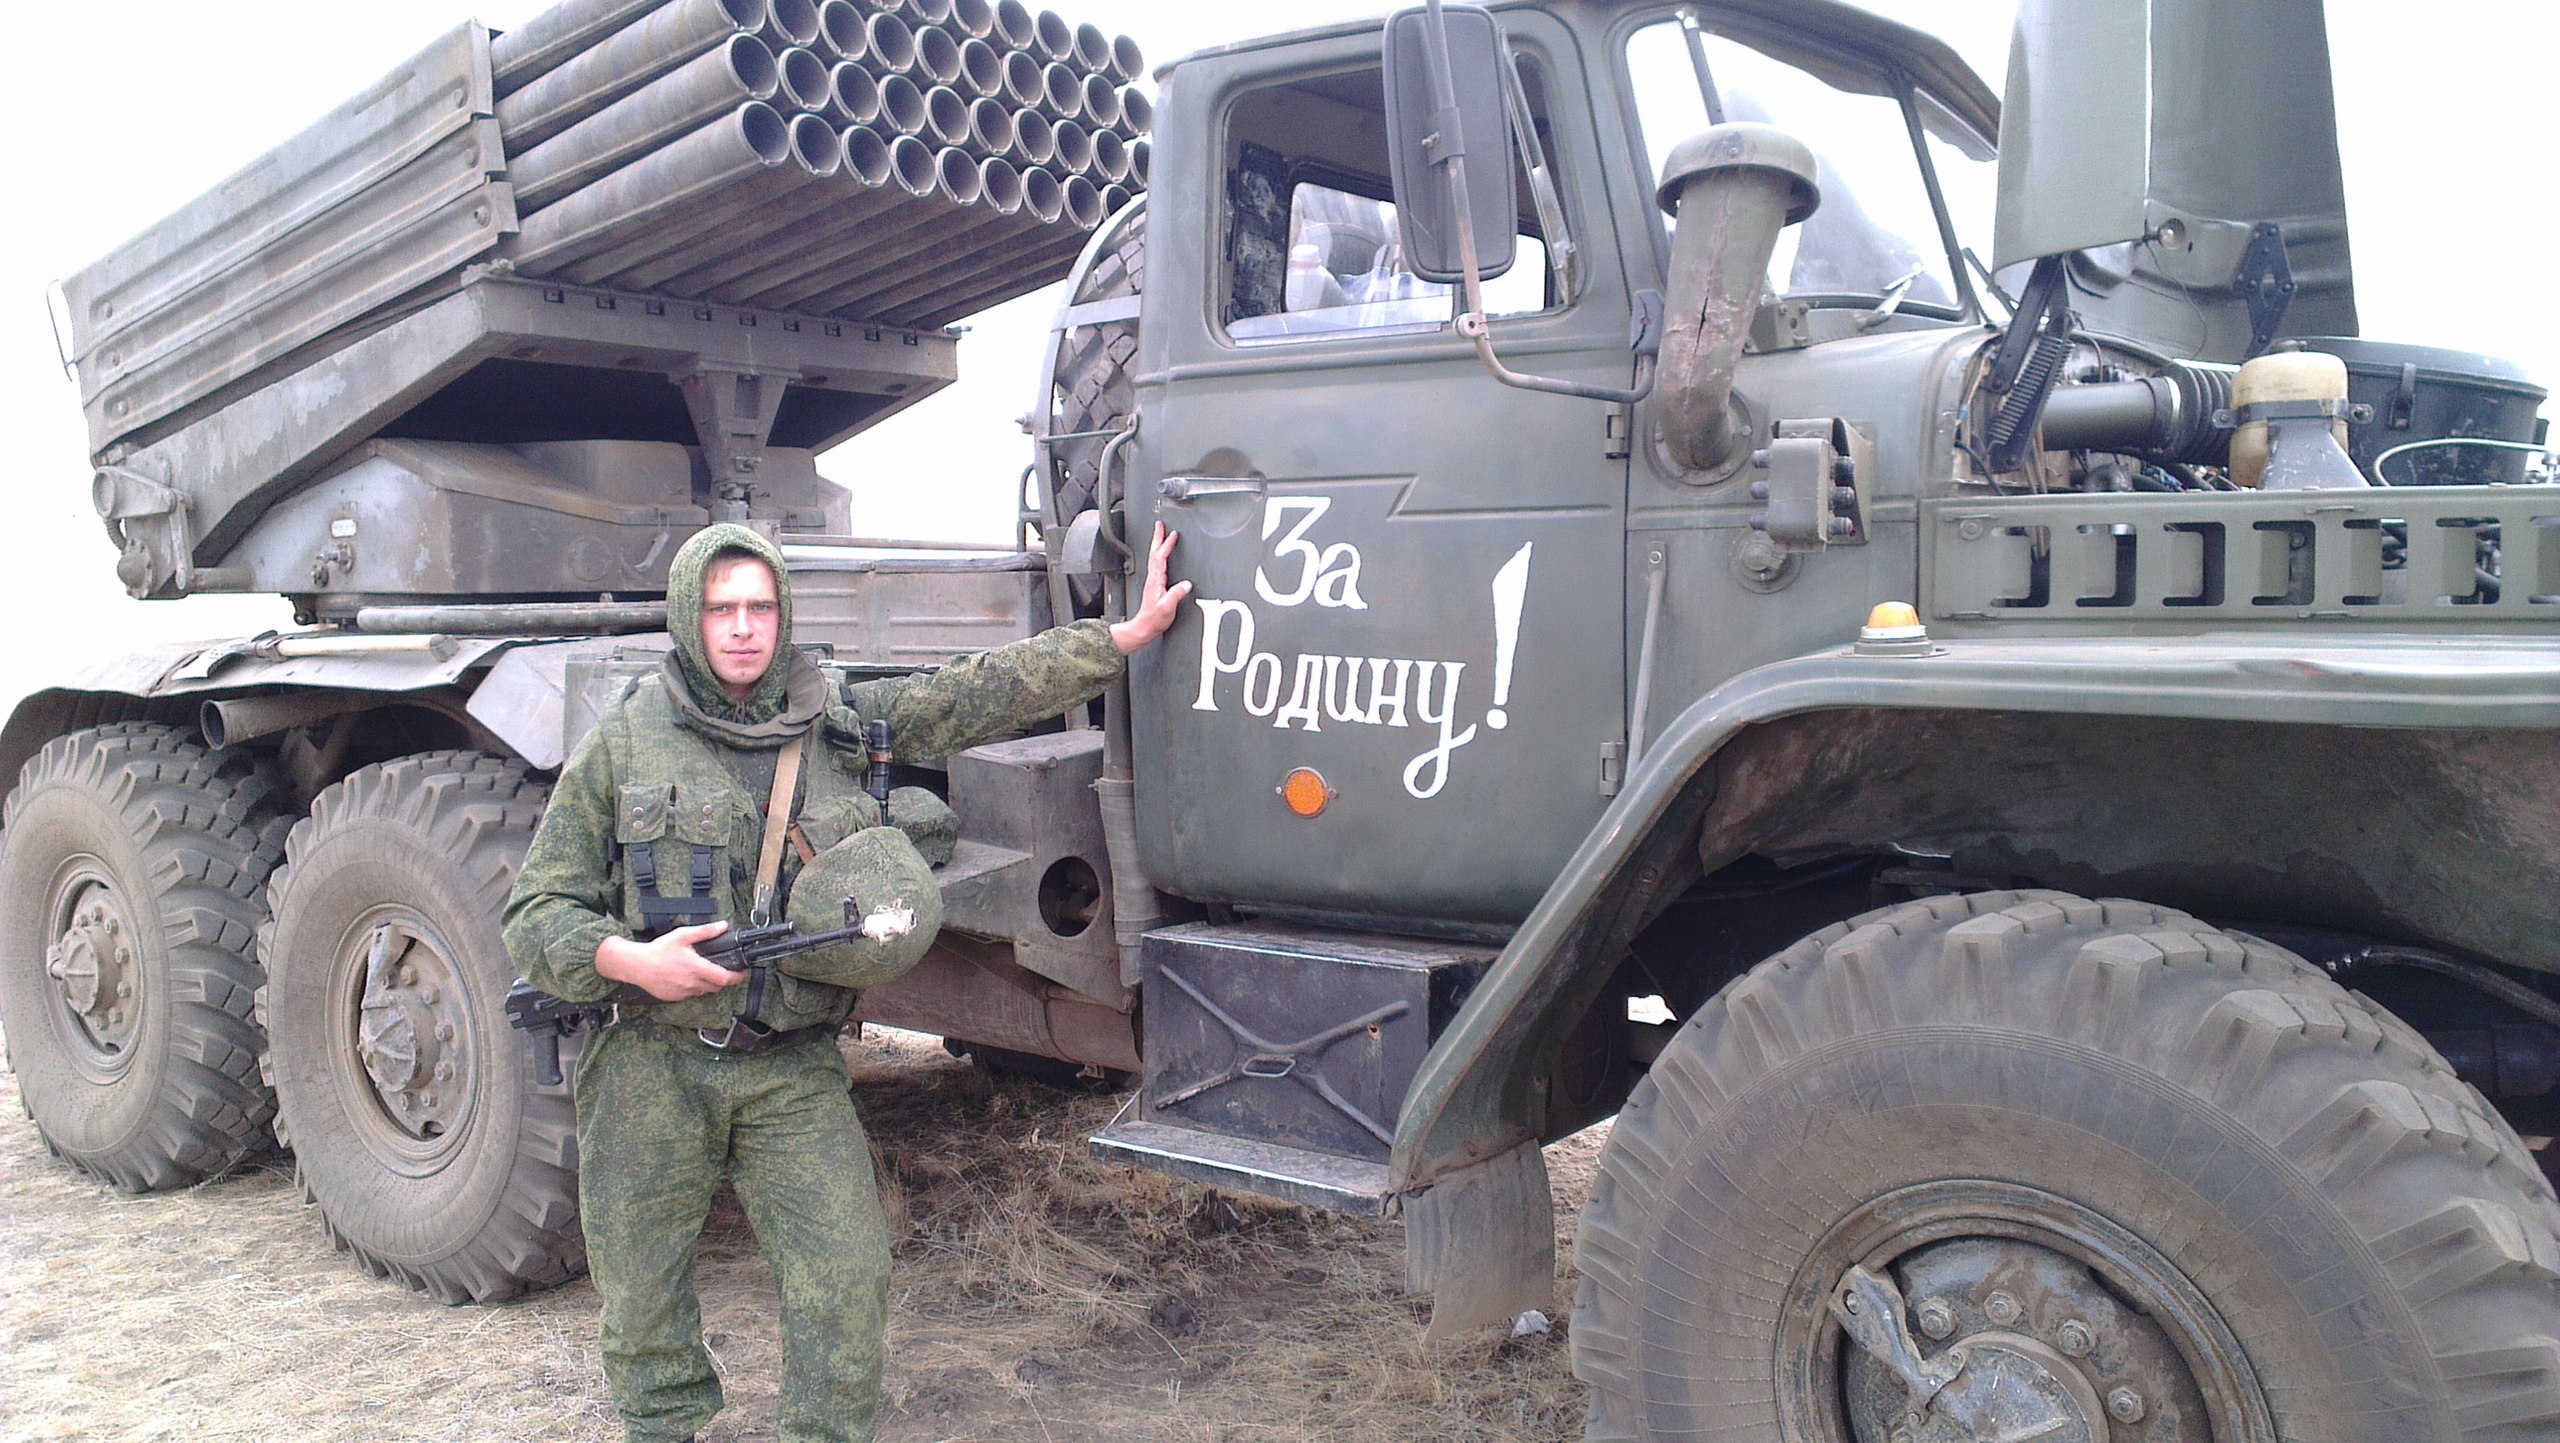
1617 432
1613 767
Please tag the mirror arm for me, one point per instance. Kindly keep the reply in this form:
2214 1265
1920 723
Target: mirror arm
1452 160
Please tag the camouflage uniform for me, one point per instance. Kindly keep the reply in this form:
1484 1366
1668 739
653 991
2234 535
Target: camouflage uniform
673 782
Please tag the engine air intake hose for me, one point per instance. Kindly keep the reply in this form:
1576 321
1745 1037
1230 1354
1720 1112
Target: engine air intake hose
2169 415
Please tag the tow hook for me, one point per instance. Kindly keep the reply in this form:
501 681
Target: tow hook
1985 1386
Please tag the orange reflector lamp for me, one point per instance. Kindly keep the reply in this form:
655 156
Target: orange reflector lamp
1893 629
1305 792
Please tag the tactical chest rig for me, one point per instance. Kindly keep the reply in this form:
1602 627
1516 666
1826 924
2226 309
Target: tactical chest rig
684 823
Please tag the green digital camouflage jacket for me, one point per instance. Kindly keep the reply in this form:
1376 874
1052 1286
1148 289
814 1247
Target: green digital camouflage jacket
687 777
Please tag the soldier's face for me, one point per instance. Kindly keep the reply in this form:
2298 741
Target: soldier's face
741 622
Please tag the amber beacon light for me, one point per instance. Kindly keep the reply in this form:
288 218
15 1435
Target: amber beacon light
1305 792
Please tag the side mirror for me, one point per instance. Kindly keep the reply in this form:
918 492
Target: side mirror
1422 137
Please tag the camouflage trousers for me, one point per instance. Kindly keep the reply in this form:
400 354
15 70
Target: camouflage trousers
661 1120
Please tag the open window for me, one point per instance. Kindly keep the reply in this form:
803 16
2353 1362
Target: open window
1311 243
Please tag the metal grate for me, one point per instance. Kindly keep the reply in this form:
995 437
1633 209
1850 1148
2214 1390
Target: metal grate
2467 555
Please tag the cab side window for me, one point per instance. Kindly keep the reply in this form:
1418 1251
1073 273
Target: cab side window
1311 239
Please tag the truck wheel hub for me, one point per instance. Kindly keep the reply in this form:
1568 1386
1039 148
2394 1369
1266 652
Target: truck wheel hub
408 1029
396 1040
91 963
2011 1313
2010 1387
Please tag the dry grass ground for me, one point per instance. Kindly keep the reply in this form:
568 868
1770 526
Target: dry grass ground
1038 1296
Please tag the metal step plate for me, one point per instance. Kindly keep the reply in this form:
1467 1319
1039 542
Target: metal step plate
1267 1169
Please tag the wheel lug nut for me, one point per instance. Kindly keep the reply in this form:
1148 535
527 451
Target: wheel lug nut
1936 1319
2125 1406
124 989
2001 1308
427 995
444 1032
2075 1338
444 1072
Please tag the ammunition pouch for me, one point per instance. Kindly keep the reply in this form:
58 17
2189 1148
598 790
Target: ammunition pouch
672 842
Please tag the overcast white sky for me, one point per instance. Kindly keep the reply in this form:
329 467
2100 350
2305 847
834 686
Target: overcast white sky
116 115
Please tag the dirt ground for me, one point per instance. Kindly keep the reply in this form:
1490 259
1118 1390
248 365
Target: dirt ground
1038 1296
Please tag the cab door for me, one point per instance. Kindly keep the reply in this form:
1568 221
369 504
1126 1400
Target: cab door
1407 576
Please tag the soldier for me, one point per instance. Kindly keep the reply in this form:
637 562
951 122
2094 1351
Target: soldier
650 845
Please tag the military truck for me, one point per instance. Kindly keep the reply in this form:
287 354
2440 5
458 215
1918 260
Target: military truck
2019 767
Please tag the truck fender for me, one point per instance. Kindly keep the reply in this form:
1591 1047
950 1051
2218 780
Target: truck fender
171 683
1478 1093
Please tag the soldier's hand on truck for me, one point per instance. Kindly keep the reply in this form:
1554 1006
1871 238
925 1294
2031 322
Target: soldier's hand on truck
1156 604
668 968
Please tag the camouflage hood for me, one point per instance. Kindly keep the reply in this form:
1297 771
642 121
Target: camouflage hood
792 691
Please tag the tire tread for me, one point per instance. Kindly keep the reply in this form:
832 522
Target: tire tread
209 830
2444 1196
479 811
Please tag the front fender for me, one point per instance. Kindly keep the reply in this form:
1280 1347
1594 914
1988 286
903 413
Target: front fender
1479 1091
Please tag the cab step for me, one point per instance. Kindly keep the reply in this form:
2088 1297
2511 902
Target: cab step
1265 1169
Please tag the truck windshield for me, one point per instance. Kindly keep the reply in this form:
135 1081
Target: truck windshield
1875 235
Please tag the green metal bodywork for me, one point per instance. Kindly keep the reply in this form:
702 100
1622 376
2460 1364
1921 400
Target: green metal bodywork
2102 693
1474 1096
2152 141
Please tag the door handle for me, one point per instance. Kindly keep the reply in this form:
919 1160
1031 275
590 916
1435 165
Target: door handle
1185 488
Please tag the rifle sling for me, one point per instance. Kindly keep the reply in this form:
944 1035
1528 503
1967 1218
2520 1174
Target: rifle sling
777 825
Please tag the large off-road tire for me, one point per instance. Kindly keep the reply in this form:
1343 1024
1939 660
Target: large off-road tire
417 1125
1091 372
2135 1166
133 875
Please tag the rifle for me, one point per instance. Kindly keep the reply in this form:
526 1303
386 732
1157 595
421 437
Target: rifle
752 951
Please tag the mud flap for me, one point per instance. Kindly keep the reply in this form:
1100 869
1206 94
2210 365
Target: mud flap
1482 1242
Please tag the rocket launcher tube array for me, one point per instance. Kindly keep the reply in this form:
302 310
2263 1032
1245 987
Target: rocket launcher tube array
870 158
630 143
